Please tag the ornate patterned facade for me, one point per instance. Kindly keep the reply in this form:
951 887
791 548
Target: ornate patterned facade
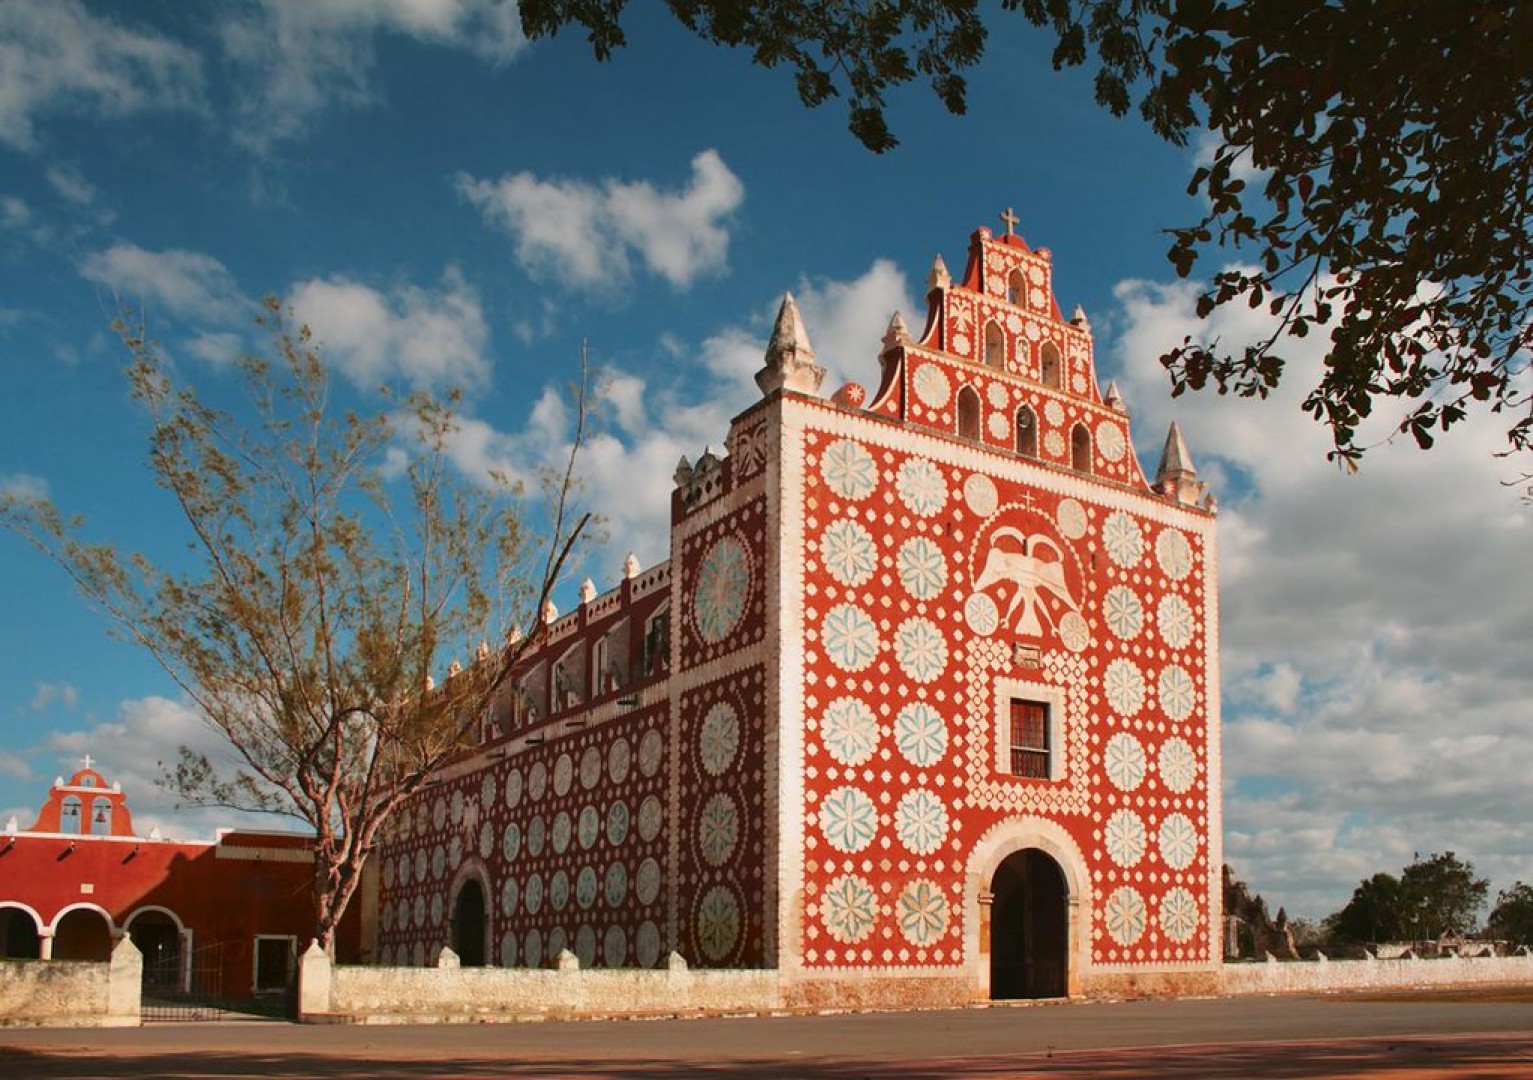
922 707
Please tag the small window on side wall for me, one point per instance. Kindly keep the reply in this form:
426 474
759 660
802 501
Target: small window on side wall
657 641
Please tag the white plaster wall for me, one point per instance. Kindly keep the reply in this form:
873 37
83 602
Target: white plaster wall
72 993
1335 976
466 993
448 994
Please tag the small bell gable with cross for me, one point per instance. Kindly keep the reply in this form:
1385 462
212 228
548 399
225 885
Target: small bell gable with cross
85 805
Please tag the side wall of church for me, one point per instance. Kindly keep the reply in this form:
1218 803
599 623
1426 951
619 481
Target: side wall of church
561 819
633 821
724 842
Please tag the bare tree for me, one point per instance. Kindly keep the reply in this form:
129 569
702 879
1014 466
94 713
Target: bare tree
338 560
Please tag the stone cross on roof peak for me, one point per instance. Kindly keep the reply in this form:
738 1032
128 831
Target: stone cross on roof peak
86 761
1010 219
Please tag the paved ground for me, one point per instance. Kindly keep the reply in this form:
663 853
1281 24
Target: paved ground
1484 1037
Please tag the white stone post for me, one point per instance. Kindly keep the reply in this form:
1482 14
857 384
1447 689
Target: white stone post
314 982
124 984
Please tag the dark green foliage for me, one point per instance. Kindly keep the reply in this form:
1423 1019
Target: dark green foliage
1434 897
1373 913
1441 896
1512 918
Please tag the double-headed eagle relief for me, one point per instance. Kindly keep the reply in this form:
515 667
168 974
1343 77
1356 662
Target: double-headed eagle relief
1031 575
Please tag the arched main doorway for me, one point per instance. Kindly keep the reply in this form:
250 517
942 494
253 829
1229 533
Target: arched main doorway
468 924
158 938
82 934
19 939
1029 928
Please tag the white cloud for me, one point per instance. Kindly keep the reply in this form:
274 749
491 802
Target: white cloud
15 766
18 218
301 59
423 336
1208 144
650 424
71 185
586 235
56 57
846 321
1374 627
215 347
50 693
15 214
20 485
187 284
1277 688
135 746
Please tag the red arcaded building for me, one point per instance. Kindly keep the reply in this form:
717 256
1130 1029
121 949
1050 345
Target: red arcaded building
231 914
922 707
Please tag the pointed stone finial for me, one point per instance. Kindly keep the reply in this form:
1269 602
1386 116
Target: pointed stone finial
454 669
789 361
550 613
1113 399
430 683
1079 319
631 566
12 825
683 474
1175 458
896 334
1177 478
482 653
938 277
515 635
707 462
587 591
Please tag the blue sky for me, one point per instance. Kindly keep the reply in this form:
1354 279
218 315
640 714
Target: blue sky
448 204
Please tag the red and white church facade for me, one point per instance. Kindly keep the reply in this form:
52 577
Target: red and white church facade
922 708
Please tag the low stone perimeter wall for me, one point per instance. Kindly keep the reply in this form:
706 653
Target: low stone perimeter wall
1409 973
448 993
73 993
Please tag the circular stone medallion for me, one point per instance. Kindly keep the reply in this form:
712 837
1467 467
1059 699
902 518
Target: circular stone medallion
723 586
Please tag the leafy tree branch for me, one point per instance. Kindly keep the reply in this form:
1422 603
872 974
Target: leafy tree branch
322 588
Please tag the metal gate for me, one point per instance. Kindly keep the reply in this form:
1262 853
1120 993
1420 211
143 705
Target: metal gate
195 988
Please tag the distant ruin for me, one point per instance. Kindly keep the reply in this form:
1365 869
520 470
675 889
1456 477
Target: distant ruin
1249 932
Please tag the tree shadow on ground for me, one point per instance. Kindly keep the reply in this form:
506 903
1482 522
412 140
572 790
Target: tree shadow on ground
1475 1059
